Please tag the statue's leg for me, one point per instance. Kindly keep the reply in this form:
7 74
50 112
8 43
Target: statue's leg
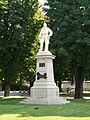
41 45
46 44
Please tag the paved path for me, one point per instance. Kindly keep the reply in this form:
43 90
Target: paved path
15 93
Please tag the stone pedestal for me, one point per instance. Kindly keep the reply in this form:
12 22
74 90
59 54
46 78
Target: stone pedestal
45 91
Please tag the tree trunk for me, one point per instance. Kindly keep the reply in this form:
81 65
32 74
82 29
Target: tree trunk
60 86
6 89
31 85
21 83
78 82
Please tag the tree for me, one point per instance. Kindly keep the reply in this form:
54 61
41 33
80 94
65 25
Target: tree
19 29
71 41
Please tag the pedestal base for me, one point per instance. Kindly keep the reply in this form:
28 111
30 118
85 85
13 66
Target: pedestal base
45 91
45 94
46 101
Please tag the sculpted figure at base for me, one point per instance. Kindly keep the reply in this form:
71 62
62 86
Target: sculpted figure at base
45 35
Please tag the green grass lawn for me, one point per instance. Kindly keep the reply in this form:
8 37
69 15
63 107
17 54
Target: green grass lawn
11 109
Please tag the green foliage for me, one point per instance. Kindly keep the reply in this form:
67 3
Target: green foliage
69 19
19 28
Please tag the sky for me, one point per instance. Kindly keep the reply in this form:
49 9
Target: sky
42 1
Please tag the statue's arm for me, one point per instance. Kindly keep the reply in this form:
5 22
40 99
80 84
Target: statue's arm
50 32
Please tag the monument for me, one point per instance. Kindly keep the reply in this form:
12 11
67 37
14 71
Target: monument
45 91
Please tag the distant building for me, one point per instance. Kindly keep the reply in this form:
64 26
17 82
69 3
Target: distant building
67 85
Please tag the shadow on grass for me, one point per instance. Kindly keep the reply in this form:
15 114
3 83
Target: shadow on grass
77 108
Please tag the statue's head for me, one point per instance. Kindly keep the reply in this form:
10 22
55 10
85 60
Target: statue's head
45 24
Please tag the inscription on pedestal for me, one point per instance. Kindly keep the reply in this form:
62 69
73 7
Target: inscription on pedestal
41 64
41 75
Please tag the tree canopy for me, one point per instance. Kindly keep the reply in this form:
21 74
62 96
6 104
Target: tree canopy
19 28
69 19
